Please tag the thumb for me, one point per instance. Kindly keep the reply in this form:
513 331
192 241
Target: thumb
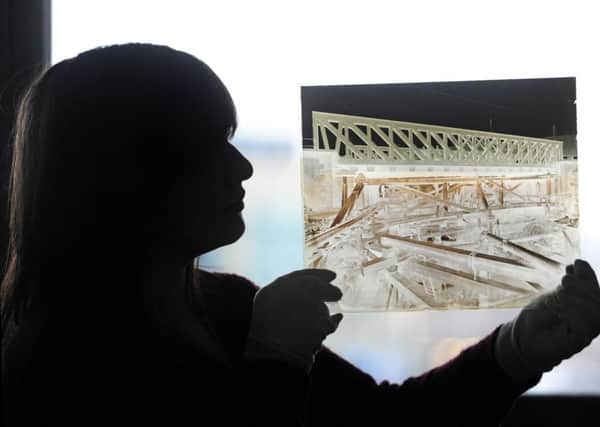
335 321
586 280
584 270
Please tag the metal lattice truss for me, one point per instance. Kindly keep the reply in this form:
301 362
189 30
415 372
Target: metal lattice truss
387 141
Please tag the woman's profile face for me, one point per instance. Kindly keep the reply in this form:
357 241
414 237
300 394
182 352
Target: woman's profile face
204 210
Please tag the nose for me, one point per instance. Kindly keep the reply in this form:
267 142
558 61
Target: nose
243 167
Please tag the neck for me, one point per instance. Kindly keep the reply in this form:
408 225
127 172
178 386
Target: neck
163 288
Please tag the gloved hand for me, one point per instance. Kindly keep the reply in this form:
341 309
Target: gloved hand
290 319
552 327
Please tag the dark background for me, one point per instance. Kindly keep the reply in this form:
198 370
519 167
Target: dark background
25 47
542 108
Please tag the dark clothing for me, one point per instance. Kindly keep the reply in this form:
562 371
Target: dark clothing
156 383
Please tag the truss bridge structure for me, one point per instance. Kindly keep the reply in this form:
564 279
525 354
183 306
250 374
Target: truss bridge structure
414 216
362 139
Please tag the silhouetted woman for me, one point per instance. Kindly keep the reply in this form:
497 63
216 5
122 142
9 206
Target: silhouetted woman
122 174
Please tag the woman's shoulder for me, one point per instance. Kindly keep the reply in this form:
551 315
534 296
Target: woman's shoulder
226 301
224 284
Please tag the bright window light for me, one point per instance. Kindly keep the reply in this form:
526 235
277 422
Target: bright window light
264 51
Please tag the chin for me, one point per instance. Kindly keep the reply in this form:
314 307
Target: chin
235 231
221 235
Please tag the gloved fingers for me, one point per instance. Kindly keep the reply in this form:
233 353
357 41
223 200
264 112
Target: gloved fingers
325 291
542 313
326 324
546 302
554 326
570 283
322 311
582 317
585 271
570 269
320 273
553 347
568 304
541 338
582 306
577 285
576 311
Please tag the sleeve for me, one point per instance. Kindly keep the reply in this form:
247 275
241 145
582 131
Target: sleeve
276 393
470 389
273 392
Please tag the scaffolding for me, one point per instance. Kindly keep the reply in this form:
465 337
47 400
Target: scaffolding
406 238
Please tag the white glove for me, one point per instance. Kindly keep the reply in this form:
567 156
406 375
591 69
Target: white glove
552 327
290 319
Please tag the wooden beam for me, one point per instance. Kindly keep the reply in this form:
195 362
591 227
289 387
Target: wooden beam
469 278
333 231
464 252
504 188
445 195
437 199
449 179
481 195
524 250
348 203
344 189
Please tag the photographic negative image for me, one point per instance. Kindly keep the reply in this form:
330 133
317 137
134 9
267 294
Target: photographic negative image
453 195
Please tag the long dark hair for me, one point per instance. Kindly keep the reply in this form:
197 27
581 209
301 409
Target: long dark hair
99 140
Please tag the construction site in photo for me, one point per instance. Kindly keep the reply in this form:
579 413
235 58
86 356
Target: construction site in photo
414 216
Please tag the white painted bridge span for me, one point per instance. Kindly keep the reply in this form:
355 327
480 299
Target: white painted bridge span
373 140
